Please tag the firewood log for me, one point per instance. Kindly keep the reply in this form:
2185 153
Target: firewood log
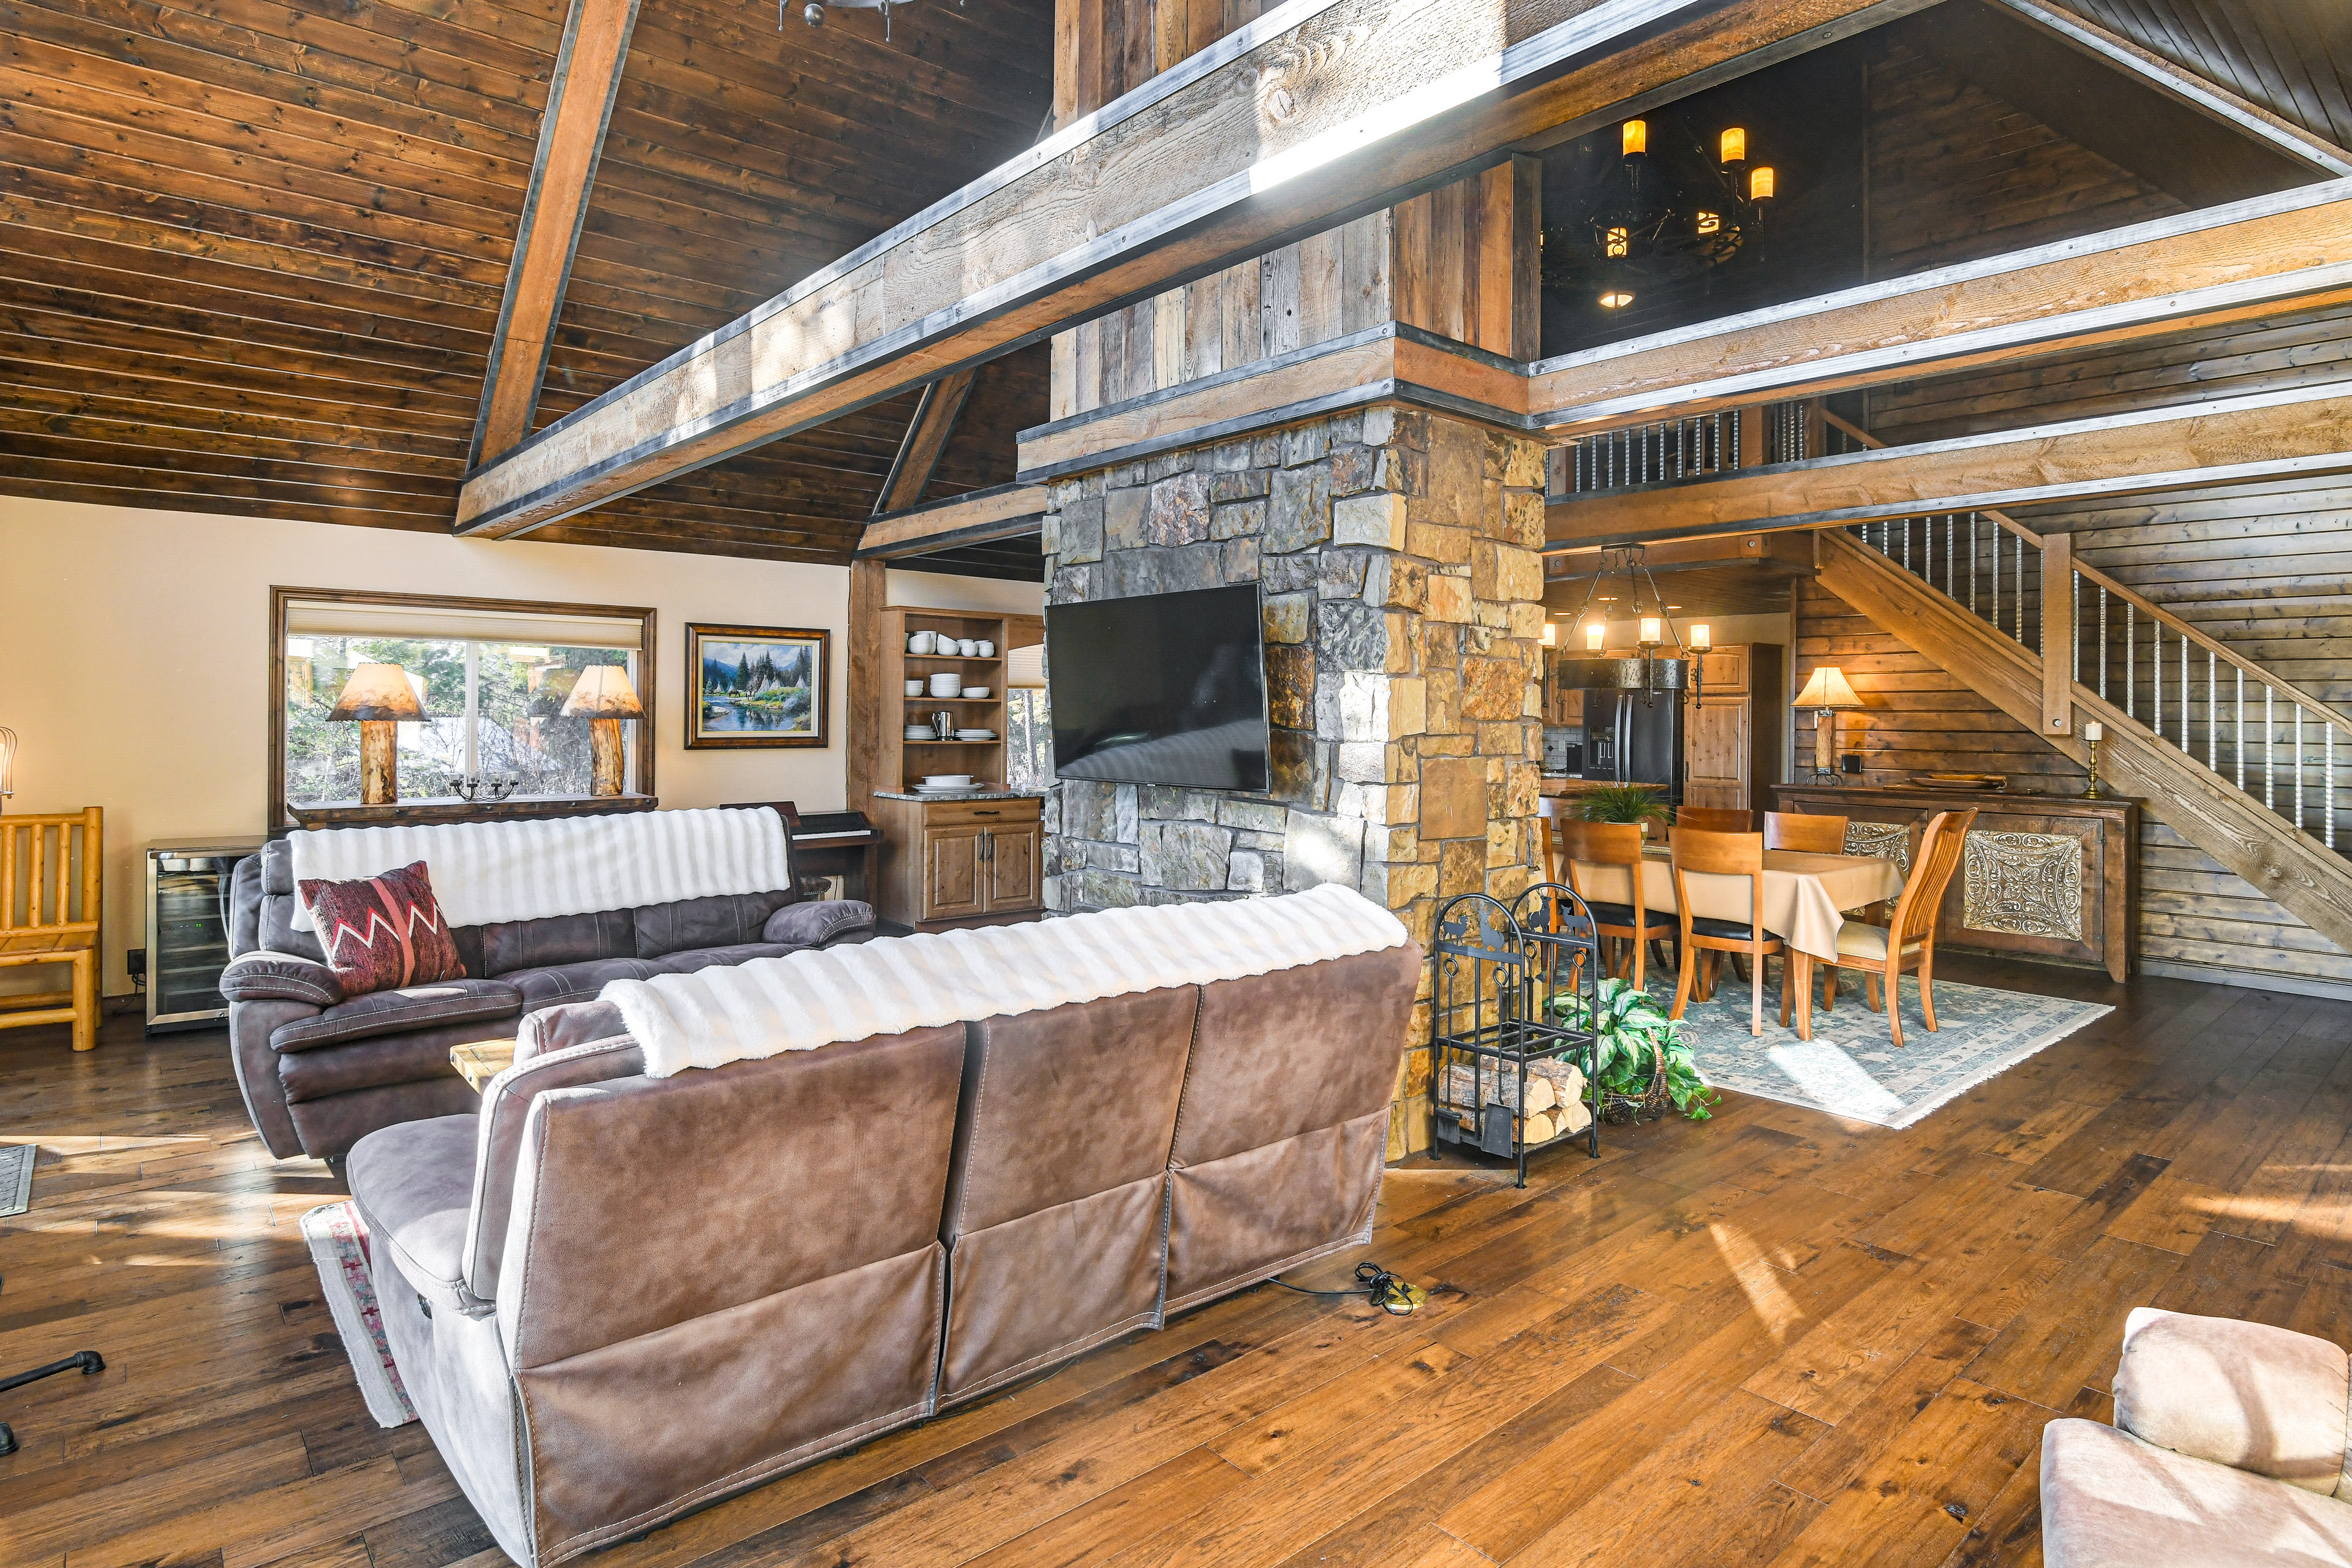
1501 1086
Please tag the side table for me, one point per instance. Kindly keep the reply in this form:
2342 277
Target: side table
481 1062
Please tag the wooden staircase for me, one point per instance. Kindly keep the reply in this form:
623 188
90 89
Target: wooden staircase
2196 777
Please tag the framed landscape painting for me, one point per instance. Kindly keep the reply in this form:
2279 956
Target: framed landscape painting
755 686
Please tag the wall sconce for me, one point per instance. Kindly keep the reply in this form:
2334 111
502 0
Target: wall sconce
1637 138
1735 145
1760 183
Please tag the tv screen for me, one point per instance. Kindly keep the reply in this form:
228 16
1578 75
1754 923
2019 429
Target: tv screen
1167 688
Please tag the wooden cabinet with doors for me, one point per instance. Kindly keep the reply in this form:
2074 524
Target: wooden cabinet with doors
962 861
1732 731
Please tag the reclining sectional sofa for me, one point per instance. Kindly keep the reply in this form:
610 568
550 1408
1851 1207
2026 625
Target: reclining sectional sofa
2228 1449
319 1071
824 1245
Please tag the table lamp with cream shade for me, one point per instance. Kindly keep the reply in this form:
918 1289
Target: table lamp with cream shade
377 697
605 696
1826 694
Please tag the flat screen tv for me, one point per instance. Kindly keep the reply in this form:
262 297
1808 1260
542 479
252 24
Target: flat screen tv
1169 689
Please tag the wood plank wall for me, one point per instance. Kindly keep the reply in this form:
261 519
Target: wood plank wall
2264 570
1440 261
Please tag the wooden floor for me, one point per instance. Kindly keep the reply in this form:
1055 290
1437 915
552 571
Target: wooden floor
1773 1339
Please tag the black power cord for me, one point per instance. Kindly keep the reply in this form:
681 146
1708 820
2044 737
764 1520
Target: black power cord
1387 1291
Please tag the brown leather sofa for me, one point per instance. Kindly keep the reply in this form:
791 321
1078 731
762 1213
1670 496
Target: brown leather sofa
825 1244
319 1070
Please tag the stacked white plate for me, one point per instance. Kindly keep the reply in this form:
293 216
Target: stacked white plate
975 734
941 783
921 733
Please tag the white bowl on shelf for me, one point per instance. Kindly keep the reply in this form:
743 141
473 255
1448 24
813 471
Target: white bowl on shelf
914 685
975 734
973 693
946 683
947 780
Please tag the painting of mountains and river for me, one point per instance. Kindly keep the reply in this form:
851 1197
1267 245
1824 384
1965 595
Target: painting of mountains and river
756 686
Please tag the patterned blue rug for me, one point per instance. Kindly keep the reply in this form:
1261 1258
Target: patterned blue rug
1850 1067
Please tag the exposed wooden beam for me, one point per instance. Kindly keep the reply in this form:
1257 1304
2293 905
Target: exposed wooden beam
1005 512
2299 431
2222 263
570 139
1317 110
927 437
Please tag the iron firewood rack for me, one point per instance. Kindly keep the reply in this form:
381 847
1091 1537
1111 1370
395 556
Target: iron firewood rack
1505 975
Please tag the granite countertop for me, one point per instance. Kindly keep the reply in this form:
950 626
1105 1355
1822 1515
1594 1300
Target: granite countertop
960 795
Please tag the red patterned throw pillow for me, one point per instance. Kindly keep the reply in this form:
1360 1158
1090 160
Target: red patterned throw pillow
384 932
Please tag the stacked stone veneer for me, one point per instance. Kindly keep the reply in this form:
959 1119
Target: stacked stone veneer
1398 555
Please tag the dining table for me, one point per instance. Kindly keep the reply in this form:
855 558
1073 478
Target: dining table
1806 900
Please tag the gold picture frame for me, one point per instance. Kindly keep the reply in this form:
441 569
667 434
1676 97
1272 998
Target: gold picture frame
754 687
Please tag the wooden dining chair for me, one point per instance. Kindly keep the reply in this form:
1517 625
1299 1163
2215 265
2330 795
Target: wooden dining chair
1715 819
1583 844
1909 941
1804 832
1697 851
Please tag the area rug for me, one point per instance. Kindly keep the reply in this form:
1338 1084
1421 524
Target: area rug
339 1247
1850 1067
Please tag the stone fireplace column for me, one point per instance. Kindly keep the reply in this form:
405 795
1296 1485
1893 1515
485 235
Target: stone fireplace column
1398 555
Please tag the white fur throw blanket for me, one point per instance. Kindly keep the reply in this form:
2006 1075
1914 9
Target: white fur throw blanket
486 871
832 996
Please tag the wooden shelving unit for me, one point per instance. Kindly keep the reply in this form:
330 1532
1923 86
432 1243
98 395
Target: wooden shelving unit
903 762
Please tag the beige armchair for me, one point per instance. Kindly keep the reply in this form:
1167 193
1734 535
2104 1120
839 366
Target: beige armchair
2229 1447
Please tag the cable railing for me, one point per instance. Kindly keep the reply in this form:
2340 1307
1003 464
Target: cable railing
2184 688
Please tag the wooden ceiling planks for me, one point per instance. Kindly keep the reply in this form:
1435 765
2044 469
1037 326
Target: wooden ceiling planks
2293 58
251 257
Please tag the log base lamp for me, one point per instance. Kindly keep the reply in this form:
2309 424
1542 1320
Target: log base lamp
1826 694
605 696
378 697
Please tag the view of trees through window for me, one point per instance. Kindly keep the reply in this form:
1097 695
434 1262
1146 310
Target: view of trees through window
1028 739
492 710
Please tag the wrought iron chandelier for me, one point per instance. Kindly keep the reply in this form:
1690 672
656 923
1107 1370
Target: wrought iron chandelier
1648 674
1650 225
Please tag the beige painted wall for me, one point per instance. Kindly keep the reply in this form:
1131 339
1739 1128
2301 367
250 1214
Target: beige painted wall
133 659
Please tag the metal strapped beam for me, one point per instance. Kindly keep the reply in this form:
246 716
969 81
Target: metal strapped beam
570 139
2225 263
2302 431
1317 110
1005 512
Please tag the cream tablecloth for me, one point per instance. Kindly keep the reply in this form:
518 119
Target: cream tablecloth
1805 896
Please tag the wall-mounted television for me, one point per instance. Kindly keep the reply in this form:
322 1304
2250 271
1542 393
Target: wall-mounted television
1167 688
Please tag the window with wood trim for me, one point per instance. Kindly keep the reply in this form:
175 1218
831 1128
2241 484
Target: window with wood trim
491 675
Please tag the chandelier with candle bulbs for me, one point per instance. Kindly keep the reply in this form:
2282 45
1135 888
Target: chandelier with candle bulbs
1656 218
1648 672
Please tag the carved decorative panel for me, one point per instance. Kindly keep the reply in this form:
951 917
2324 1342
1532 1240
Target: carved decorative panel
2027 884
1881 840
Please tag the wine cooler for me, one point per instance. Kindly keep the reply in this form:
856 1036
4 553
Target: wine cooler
187 930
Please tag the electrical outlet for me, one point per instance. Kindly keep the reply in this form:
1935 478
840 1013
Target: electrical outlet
136 962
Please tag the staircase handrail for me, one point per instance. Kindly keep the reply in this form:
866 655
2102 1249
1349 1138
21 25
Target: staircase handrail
2140 601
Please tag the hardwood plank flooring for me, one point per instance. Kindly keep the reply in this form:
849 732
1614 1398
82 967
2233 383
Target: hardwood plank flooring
1776 1338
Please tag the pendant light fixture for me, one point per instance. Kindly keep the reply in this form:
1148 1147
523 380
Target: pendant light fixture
1650 673
1659 217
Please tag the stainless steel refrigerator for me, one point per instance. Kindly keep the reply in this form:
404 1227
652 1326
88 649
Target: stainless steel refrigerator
1630 741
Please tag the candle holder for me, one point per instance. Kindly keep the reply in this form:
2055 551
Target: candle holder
2091 792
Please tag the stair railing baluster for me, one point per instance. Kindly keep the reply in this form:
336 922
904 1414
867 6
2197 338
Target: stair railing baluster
2184 694
2156 679
2270 730
2103 641
2241 725
2131 645
2330 822
2212 711
2298 767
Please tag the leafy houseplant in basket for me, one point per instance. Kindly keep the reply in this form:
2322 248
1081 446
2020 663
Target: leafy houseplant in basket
1639 803
1641 1064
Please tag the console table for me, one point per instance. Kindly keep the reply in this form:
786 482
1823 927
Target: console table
2053 875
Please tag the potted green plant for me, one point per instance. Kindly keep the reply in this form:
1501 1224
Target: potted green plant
1640 804
1641 1064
